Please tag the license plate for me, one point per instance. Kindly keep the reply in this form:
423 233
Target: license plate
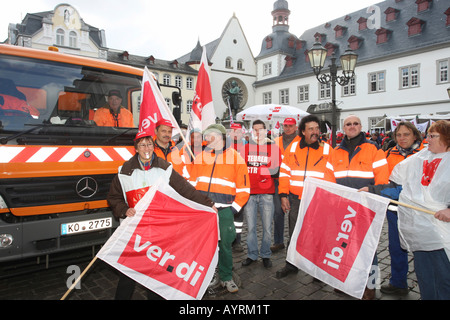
86 226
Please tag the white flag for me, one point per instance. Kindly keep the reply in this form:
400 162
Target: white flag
336 234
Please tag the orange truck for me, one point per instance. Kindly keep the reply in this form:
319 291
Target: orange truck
56 163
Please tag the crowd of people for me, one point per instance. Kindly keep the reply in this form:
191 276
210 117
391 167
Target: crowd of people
264 175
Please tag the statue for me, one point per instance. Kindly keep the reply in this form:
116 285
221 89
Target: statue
233 97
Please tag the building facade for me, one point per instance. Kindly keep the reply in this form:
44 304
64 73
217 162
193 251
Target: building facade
402 69
63 28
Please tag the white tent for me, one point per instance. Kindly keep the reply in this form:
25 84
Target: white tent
269 112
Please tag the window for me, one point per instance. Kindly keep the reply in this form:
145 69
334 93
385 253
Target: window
166 79
189 83
267 68
350 88
60 37
409 76
303 93
240 64
189 106
73 39
325 91
284 96
228 63
443 70
267 97
377 82
178 81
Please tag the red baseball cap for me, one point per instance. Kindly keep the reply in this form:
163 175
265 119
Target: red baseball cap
142 134
289 121
236 126
165 123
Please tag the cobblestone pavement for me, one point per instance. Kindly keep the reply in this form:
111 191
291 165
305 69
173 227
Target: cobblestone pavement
256 282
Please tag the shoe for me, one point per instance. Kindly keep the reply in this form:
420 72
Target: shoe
230 285
369 294
390 289
247 262
277 247
285 271
214 280
267 263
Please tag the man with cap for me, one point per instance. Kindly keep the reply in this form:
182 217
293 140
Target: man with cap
133 180
283 142
221 174
114 114
164 145
237 138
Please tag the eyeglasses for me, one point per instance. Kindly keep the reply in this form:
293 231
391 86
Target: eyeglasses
142 146
351 123
432 136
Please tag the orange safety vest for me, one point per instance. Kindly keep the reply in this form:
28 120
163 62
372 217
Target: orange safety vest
8 102
394 157
279 143
104 117
367 165
170 154
301 161
223 176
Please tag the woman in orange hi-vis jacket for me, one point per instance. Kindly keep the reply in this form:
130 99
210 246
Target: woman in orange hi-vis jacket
221 174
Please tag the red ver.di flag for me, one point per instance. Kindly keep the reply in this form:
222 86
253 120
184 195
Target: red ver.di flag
169 246
153 105
336 234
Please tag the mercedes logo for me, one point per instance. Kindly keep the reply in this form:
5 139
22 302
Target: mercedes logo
86 187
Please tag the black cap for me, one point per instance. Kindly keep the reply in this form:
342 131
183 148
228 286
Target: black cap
114 93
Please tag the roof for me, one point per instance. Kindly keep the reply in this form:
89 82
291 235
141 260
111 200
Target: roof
434 33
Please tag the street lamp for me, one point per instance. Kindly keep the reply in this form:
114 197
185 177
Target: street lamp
317 55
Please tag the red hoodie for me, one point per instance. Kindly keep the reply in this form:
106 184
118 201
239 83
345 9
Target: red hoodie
263 162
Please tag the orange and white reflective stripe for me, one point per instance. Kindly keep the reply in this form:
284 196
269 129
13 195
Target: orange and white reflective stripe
36 154
354 174
379 163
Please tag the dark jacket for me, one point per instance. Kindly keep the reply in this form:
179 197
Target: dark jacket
115 196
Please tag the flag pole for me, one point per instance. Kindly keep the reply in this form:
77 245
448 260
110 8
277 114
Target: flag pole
79 278
412 207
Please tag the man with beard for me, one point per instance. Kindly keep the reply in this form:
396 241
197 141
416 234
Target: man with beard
305 158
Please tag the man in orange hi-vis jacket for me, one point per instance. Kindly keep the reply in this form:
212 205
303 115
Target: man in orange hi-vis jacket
358 163
221 173
307 157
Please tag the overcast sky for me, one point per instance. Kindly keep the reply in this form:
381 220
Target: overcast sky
168 29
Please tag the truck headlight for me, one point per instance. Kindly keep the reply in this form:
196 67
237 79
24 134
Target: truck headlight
6 240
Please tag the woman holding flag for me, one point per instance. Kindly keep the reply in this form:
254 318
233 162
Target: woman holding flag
134 179
423 181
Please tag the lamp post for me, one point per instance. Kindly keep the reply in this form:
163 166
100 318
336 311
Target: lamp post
317 55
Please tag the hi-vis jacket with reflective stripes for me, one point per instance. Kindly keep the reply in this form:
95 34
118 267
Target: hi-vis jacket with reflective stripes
223 176
301 160
366 166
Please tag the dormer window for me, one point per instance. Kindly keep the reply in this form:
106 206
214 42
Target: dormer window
391 14
423 5
320 37
291 42
415 26
340 31
174 63
354 42
151 60
362 23
382 35
289 61
447 12
268 42
124 55
330 49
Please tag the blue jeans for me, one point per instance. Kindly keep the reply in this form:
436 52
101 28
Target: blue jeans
278 217
262 203
433 274
399 257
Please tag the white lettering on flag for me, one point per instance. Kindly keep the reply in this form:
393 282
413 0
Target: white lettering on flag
336 234
169 246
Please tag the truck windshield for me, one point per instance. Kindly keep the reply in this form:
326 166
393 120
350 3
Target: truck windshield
53 103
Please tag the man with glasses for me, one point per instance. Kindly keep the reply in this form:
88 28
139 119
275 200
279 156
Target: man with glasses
357 163
133 180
